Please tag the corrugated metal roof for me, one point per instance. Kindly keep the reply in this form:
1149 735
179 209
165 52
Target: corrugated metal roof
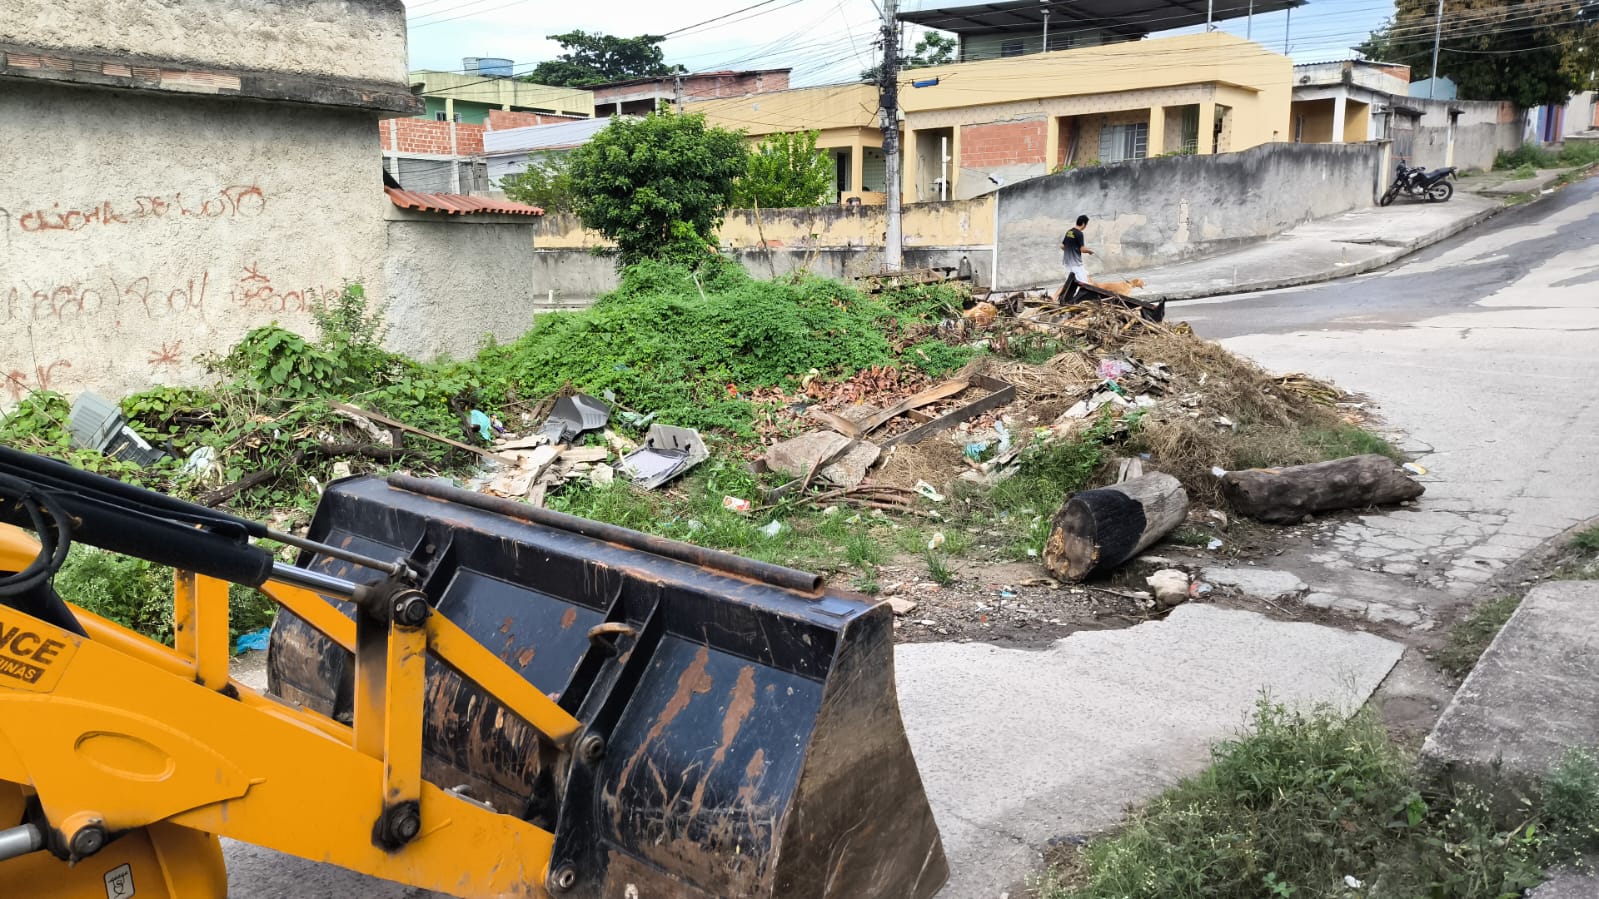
457 204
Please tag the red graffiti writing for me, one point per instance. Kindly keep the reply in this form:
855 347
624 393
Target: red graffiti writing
234 201
43 376
255 291
110 300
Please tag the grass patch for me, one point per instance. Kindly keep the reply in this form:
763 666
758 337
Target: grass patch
1470 637
1189 537
1524 171
1309 798
938 568
1349 440
1532 156
1587 540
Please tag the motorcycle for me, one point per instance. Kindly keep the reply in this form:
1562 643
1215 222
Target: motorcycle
1416 182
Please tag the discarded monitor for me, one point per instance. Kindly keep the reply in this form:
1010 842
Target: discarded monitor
573 415
96 423
667 452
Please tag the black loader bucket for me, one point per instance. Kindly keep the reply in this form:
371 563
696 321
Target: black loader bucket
752 739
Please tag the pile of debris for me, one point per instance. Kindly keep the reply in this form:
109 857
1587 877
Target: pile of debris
531 465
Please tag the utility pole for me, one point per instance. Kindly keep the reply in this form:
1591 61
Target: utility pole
1437 38
677 91
893 252
1288 28
1249 26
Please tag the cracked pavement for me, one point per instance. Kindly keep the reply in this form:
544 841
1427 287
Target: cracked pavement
1480 354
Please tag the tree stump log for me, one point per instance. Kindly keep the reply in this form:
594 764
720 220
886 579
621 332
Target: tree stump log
1287 495
1097 530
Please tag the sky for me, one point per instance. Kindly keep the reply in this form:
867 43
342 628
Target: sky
824 41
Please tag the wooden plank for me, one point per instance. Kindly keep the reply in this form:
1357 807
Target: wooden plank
395 423
856 430
585 454
1003 393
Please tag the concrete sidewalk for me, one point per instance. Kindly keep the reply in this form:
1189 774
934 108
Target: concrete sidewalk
1342 245
1335 247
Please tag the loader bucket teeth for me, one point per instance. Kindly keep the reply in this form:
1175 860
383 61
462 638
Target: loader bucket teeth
739 739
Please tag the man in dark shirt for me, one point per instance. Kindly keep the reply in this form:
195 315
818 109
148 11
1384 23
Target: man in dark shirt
1073 250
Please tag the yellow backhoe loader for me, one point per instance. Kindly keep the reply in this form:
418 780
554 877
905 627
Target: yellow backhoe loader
466 695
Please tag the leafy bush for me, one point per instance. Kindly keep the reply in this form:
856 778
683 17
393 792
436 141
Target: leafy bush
545 183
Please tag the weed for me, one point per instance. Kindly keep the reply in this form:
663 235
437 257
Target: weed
1525 170
1189 537
1470 637
1348 440
861 550
937 568
1587 540
867 584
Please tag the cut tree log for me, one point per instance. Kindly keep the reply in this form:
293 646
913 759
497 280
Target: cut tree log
1097 530
1287 495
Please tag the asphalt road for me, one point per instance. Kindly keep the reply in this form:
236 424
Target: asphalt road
1446 277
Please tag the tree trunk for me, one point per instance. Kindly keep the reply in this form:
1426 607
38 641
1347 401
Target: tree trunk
1097 530
1288 495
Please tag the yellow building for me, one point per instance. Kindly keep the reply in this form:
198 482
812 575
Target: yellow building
970 125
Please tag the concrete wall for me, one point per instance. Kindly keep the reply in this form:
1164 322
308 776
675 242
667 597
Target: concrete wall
138 230
953 223
1156 211
361 40
1481 131
452 281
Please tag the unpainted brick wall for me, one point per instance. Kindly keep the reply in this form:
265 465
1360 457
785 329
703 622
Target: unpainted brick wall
1002 143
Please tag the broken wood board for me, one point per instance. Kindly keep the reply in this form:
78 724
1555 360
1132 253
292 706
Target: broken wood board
395 423
856 430
579 454
1002 394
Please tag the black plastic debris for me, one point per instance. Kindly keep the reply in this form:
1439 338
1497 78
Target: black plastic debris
574 415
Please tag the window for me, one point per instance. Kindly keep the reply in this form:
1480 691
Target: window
1121 142
444 117
1010 48
1061 41
1299 129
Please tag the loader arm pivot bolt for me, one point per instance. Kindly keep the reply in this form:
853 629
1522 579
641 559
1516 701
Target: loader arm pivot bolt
88 840
591 748
399 825
411 609
563 878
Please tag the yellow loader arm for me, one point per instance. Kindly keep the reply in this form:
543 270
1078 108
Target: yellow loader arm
465 694
111 733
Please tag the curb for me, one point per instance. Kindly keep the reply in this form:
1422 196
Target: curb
1358 268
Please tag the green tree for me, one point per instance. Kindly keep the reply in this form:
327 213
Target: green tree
546 183
1530 53
932 49
658 185
785 170
599 58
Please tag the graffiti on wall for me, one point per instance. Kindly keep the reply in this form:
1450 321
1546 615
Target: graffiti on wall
237 201
154 297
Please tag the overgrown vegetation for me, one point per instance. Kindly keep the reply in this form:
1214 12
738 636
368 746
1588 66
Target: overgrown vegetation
1313 803
1525 159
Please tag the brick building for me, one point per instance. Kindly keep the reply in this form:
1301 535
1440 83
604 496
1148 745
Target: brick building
641 96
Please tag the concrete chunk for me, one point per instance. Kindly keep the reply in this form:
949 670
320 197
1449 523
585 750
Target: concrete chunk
1532 696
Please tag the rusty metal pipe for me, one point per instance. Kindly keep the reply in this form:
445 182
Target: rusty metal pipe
777 575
